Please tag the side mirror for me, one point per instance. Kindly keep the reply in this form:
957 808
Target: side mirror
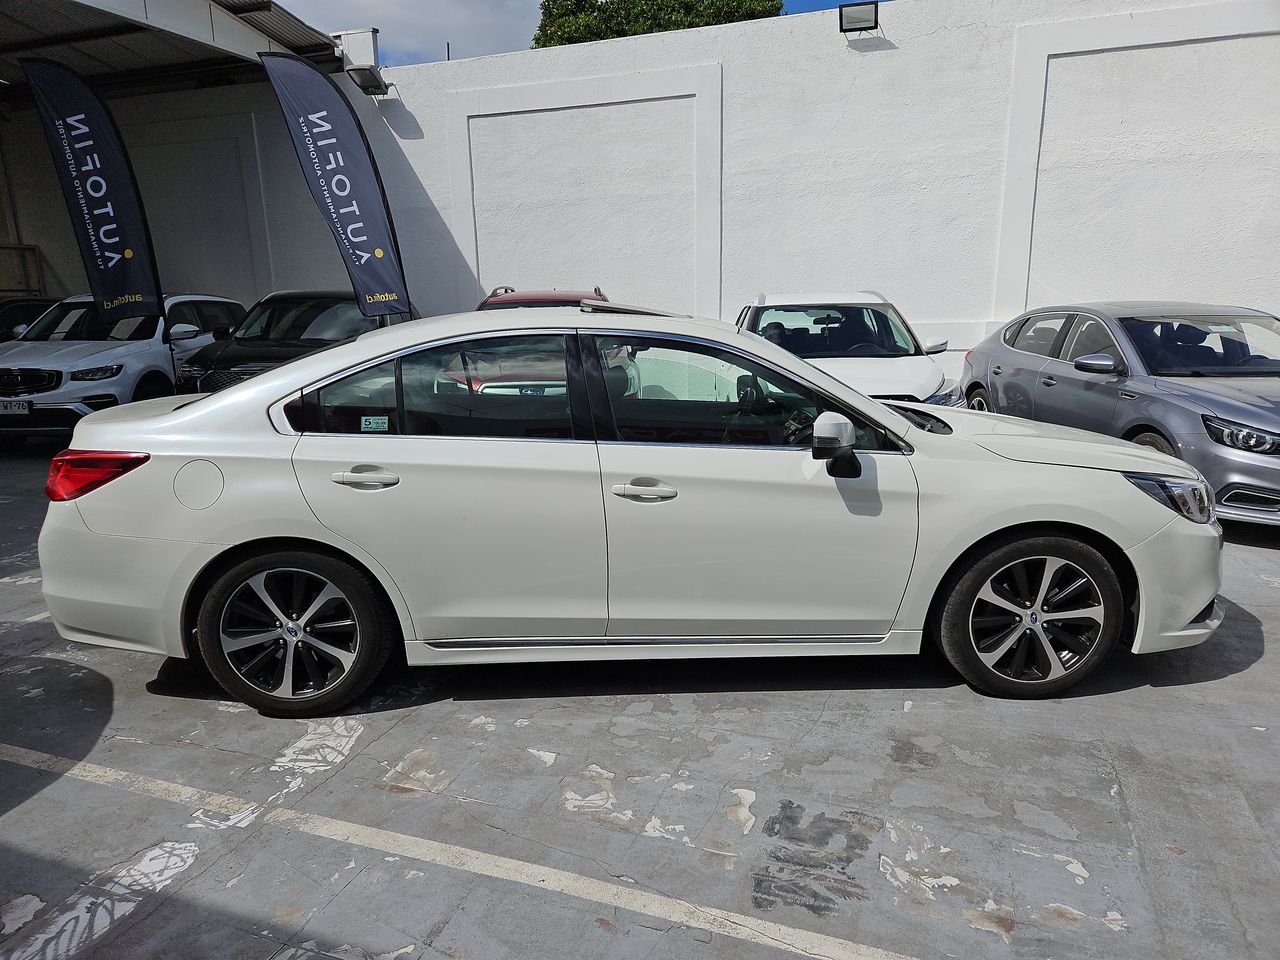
183 331
936 345
832 435
223 333
20 329
1097 363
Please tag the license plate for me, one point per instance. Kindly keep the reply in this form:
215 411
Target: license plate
15 406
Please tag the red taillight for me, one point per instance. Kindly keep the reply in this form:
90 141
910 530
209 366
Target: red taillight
73 473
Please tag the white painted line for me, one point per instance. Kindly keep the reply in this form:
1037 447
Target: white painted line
38 617
738 926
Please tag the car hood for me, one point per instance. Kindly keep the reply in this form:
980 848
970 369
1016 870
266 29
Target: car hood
917 377
1251 400
1032 442
65 354
223 354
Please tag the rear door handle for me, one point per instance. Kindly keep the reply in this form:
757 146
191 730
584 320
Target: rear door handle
370 478
1048 381
643 492
997 370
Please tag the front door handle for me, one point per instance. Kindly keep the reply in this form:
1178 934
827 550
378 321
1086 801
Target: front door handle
1126 395
374 479
1048 381
997 370
644 492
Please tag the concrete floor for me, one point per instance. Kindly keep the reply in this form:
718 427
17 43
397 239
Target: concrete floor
873 809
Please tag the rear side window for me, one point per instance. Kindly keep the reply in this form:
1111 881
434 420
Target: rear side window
1039 334
510 387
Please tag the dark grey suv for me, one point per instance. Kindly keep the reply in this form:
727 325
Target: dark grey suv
1197 382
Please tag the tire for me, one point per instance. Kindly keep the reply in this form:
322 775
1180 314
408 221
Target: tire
151 386
979 399
1155 441
336 650
1005 614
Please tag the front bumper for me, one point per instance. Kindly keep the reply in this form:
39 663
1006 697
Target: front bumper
1247 485
1179 572
122 592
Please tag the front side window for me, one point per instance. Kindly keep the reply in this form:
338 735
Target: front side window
1207 346
510 387
1090 336
663 391
1039 334
837 330
78 321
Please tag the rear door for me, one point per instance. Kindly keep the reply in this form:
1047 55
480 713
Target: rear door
478 491
1071 397
720 522
1015 368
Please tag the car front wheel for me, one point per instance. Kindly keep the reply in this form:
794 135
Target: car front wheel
295 634
1033 617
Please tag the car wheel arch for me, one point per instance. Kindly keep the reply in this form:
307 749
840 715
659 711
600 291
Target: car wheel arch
1112 551
239 552
1136 429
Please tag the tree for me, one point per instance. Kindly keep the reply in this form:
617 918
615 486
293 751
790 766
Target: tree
578 21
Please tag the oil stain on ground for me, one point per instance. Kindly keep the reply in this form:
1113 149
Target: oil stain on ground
811 864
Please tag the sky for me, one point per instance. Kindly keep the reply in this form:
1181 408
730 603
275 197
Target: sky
415 31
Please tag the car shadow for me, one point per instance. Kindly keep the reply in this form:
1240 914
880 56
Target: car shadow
1251 534
1236 647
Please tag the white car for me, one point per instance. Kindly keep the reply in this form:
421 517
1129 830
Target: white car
69 363
860 339
445 486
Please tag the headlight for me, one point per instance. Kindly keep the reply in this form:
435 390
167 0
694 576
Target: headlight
99 373
189 371
1191 498
948 396
1241 437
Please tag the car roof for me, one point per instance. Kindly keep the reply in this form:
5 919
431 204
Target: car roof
298 294
519 296
819 299
1149 308
168 298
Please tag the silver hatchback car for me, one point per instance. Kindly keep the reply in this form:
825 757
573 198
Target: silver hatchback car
1197 382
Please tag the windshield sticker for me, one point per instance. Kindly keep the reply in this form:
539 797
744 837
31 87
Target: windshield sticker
373 424
1222 328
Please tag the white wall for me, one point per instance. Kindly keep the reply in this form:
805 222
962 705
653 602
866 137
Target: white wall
694 169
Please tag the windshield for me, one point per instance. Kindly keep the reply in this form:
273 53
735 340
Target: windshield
79 321
837 330
306 320
1243 346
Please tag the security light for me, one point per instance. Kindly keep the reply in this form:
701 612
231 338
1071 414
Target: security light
366 77
859 17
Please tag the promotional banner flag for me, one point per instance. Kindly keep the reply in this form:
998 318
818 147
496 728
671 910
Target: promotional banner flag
101 192
340 170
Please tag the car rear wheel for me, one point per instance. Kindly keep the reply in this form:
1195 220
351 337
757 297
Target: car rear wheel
1033 617
979 399
295 634
1155 442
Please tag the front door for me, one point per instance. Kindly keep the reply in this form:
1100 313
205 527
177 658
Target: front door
1072 397
473 492
720 522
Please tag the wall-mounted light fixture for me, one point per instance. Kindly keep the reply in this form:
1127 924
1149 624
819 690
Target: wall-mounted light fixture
859 17
368 79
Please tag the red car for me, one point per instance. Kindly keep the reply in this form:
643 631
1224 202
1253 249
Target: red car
506 298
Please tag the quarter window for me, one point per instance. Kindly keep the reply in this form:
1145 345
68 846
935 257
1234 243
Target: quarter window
1039 334
662 391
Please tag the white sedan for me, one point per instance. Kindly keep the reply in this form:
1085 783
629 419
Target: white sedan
563 484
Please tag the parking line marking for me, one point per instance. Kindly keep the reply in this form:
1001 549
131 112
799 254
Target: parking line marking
38 617
739 926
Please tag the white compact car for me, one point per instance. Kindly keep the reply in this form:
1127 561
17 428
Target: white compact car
575 484
860 339
69 362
